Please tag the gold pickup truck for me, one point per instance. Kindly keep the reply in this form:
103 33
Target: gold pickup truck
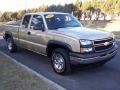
62 38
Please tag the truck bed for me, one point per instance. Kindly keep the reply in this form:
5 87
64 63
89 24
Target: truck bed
12 27
15 23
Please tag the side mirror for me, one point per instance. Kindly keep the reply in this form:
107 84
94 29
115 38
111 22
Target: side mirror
83 24
32 27
23 26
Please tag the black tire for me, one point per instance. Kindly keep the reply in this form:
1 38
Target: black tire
11 46
64 55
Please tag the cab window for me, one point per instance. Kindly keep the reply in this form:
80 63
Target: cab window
37 23
26 21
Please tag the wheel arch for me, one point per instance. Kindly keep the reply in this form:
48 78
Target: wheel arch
7 35
53 44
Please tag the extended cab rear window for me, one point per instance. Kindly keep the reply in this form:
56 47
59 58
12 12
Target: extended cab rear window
26 20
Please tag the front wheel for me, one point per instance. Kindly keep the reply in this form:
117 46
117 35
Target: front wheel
11 46
60 61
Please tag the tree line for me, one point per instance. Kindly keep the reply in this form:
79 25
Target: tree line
89 9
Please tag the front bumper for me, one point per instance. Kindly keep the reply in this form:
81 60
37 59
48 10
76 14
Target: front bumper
76 58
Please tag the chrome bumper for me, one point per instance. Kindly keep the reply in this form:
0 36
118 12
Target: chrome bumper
92 58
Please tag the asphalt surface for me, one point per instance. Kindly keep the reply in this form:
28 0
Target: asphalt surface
106 77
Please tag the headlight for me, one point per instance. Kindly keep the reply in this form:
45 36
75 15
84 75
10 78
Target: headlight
86 46
85 42
86 50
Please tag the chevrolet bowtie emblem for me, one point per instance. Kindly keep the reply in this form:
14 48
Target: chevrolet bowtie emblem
106 43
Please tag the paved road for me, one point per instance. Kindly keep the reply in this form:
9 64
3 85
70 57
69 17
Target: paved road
106 77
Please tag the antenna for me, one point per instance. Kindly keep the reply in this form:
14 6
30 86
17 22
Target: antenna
25 6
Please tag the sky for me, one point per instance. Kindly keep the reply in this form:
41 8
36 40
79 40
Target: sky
15 5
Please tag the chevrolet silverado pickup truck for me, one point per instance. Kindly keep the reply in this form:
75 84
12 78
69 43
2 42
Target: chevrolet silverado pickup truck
62 38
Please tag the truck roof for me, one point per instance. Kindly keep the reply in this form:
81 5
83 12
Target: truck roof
43 13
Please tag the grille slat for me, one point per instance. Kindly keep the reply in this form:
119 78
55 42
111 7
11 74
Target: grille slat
103 41
99 45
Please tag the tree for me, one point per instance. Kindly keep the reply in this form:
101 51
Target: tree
85 5
0 14
6 16
20 14
77 5
117 8
14 16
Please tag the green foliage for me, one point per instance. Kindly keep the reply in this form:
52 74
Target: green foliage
14 16
77 5
20 14
117 7
86 5
6 16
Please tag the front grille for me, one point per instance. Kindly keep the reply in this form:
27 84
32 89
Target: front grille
103 41
99 48
100 45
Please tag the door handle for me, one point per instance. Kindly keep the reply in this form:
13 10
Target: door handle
29 33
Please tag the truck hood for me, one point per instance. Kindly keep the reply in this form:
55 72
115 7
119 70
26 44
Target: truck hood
83 33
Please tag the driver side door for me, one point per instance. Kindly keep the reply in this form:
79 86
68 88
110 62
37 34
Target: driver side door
37 35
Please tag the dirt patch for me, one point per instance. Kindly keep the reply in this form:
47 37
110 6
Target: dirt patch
109 26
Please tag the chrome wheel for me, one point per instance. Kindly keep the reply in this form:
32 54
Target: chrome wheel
58 62
10 45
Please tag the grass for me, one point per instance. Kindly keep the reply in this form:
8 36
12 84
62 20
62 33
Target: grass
95 24
117 34
13 77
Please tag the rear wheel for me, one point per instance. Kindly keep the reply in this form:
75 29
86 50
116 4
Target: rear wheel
11 46
60 61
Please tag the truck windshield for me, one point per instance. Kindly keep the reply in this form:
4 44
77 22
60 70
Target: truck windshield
55 21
